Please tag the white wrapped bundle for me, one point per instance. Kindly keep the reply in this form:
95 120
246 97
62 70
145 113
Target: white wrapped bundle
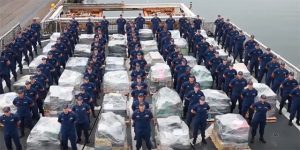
173 133
70 78
203 76
242 67
111 131
47 48
58 96
232 129
182 44
77 63
222 54
175 34
153 57
116 82
7 100
54 36
145 34
118 37
114 64
44 135
86 38
191 61
160 72
21 82
166 103
149 46
212 42
203 33
271 96
117 48
116 103
218 101
82 50
34 63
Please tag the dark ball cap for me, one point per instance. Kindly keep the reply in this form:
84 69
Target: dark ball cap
197 85
291 73
27 83
202 98
20 91
86 78
44 58
231 65
240 73
50 53
250 83
139 85
32 78
66 106
283 64
139 77
268 49
263 96
79 98
141 95
6 109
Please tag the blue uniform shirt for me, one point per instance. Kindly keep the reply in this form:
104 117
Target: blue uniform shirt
4 66
265 59
238 85
197 23
23 106
10 123
254 54
295 94
155 23
89 88
67 121
136 73
288 86
271 66
170 23
136 92
82 113
248 97
250 44
135 105
201 112
280 74
121 22
142 120
85 97
194 98
134 84
261 110
229 74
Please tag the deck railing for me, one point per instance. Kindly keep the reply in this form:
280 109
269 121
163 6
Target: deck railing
9 36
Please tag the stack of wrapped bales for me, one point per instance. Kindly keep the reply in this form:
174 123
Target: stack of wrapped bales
160 76
117 47
191 61
114 64
116 82
203 76
70 78
77 64
149 46
82 50
152 58
21 82
145 34
116 103
7 99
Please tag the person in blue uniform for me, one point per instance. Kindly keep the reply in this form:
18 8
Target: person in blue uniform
237 85
209 54
228 75
271 66
214 62
87 100
217 26
121 23
89 27
182 78
142 126
21 42
17 50
286 87
179 69
42 92
82 111
139 80
220 71
295 106
170 23
248 96
139 60
248 46
259 119
264 59
46 69
68 120
23 105
11 122
198 22
254 55
238 47
37 28
12 58
5 73
139 90
192 99
137 72
219 33
139 21
279 76
55 64
225 33
201 114
105 24
31 93
191 31
201 48
186 87
155 21
90 88
139 100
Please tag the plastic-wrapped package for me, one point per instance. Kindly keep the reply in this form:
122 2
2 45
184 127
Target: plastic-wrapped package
77 64
160 76
116 82
116 103
54 36
271 96
212 42
86 38
82 50
21 82
203 33
203 76
118 37
34 63
222 54
166 103
114 64
6 99
175 34
57 97
173 133
145 34
183 45
242 67
117 48
111 131
218 101
70 78
44 135
152 58
47 48
191 61
149 46
232 129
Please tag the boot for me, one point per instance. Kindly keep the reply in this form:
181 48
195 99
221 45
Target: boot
290 123
297 122
262 140
78 140
280 111
194 141
252 139
204 141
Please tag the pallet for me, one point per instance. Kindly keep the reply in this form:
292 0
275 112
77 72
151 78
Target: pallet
271 120
220 145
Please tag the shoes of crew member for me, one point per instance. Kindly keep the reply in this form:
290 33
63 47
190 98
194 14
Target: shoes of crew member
262 140
290 123
204 141
298 123
252 140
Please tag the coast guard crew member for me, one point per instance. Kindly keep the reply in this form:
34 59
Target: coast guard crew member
279 76
248 96
155 21
170 23
121 23
237 85
89 27
139 21
4 73
286 87
295 108
264 59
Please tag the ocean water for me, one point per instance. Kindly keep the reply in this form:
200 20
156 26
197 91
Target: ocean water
276 23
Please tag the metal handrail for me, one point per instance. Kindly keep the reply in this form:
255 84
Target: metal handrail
9 35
